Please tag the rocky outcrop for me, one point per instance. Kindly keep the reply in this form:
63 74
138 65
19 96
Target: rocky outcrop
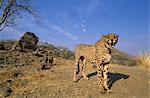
2 47
28 41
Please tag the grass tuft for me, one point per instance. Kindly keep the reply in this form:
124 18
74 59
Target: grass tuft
143 59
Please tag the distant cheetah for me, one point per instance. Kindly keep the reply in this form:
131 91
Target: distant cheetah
99 54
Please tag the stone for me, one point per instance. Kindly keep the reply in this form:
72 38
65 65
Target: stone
2 47
28 41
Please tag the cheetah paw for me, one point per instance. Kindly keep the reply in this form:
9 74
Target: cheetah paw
109 91
74 80
102 91
86 78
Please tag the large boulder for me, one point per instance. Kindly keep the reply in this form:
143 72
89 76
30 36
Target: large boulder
28 41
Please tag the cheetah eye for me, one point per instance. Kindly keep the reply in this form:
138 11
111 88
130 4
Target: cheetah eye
115 37
114 41
107 39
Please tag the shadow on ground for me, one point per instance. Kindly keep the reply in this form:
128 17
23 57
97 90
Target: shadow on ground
113 77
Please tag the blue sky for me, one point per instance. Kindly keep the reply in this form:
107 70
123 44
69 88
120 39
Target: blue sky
70 22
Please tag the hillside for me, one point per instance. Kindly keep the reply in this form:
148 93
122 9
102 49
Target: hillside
118 57
22 76
122 58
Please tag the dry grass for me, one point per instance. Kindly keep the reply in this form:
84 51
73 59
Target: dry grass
33 82
143 59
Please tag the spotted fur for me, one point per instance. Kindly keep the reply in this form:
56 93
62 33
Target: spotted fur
99 54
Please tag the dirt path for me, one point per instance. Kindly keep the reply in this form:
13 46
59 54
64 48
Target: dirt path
125 82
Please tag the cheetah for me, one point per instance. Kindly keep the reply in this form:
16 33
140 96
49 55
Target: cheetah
98 54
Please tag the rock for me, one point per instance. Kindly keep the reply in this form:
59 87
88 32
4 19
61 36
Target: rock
2 60
5 91
28 41
2 47
8 91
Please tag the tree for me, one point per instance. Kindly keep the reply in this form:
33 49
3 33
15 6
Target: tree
10 10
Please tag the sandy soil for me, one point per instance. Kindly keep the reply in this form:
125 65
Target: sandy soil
29 82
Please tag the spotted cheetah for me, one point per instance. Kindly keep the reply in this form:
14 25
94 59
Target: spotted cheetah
98 54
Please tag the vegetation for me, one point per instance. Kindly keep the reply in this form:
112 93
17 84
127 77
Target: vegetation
65 53
143 59
10 10
7 43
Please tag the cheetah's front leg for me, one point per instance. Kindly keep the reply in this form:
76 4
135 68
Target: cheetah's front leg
106 80
100 78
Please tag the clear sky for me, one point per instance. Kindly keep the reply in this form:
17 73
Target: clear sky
70 22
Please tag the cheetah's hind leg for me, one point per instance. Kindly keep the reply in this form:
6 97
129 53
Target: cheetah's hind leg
83 64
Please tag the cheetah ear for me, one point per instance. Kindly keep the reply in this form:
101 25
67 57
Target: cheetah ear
102 36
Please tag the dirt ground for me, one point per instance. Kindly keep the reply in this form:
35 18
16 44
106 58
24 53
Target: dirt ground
29 82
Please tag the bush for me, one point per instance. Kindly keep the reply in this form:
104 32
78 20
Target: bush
143 59
65 53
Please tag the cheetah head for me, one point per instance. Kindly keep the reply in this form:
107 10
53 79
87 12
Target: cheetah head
110 40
